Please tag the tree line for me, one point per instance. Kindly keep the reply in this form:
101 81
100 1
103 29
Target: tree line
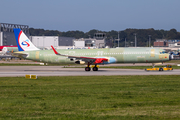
142 35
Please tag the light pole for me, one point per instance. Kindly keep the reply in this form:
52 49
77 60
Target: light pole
149 40
38 42
43 41
135 40
118 38
114 40
125 42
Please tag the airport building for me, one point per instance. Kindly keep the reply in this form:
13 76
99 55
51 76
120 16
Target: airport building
100 40
47 41
7 35
7 38
44 41
167 43
161 43
66 41
97 42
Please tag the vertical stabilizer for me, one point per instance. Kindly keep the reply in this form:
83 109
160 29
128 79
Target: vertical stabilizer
23 42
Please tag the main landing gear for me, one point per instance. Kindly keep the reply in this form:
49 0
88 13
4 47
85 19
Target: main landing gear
87 69
95 68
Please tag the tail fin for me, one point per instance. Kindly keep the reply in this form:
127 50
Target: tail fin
23 42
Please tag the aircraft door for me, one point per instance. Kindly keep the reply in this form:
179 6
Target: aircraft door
37 55
152 52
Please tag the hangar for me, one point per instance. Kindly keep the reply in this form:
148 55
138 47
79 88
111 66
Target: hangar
46 41
7 38
7 35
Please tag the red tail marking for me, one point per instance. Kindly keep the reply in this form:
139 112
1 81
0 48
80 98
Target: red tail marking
54 50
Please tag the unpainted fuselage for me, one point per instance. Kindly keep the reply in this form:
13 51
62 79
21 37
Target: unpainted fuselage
119 55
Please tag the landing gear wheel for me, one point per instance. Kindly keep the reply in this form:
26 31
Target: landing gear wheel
87 69
95 68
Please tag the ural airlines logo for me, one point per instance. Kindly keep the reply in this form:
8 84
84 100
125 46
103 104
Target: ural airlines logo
25 43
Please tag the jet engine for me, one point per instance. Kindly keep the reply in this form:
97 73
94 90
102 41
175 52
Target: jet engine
80 62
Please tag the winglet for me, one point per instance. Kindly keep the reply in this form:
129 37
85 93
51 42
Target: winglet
55 51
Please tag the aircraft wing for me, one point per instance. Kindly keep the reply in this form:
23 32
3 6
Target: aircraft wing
87 59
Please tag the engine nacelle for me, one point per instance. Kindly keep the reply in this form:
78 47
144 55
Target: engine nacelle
72 59
4 50
171 56
80 62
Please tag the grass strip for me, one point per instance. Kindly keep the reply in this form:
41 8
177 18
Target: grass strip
91 97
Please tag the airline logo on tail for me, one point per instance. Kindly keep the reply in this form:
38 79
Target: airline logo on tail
23 42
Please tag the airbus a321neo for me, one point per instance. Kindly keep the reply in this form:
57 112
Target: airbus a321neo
88 56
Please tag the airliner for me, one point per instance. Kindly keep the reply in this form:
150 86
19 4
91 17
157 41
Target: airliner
88 57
